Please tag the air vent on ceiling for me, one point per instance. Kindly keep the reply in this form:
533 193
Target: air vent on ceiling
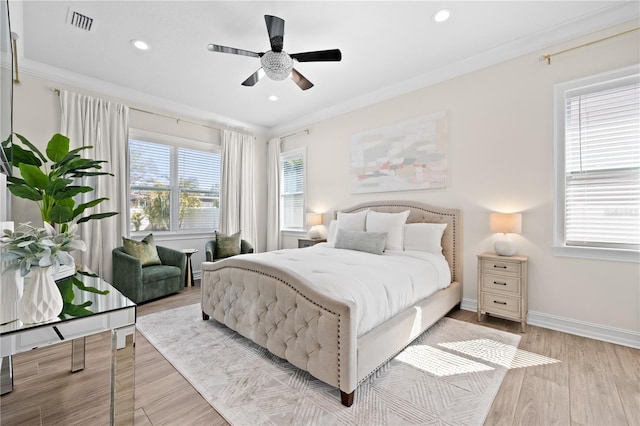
80 20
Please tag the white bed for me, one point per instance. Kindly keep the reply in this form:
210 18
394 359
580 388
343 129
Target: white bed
328 311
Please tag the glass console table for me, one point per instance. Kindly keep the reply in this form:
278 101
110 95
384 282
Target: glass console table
107 312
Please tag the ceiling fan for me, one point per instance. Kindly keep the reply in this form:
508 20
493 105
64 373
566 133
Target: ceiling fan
276 63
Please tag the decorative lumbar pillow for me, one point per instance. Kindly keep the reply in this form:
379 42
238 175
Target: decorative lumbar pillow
145 251
424 237
352 221
227 245
370 242
392 224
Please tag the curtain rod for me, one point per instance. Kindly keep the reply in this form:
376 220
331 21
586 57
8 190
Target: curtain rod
177 119
305 131
549 56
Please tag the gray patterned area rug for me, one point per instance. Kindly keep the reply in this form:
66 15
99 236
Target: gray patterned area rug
431 382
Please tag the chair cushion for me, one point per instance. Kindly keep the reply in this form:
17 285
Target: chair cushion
145 251
159 272
227 245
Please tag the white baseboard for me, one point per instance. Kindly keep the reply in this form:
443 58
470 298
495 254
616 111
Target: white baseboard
580 328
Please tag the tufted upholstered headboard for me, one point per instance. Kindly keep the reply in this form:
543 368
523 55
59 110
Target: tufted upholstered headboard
421 213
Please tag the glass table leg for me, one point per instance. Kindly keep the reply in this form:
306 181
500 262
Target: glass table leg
122 375
77 354
6 375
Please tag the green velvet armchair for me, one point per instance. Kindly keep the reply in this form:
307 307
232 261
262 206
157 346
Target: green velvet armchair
210 249
141 284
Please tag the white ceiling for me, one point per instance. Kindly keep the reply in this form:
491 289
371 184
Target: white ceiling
387 48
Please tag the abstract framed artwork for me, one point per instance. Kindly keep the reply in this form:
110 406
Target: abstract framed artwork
404 156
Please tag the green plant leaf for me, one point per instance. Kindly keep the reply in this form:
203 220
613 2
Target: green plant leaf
32 147
21 155
56 186
16 180
25 192
72 191
66 290
89 289
33 176
60 214
69 202
58 147
82 207
96 216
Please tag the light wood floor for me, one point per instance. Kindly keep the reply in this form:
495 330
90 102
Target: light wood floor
595 383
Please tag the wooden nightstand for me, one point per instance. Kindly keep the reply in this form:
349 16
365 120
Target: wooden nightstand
308 242
502 287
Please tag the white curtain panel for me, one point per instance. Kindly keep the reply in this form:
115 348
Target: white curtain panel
237 195
89 121
273 195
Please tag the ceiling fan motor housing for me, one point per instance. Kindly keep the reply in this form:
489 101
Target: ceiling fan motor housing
277 65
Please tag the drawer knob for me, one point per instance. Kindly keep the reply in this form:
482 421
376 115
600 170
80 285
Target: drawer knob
499 303
500 266
499 283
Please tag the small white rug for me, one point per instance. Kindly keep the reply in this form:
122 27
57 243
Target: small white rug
430 382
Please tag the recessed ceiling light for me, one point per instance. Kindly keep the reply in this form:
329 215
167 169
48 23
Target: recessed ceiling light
273 98
140 44
441 15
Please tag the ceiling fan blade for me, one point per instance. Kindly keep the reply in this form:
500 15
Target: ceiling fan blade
275 28
232 50
254 78
319 56
300 80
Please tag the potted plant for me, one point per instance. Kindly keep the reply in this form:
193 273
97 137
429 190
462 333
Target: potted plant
52 185
40 251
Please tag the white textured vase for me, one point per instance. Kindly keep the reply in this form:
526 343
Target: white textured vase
10 294
41 300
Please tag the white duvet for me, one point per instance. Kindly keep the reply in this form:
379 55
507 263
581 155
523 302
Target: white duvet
380 286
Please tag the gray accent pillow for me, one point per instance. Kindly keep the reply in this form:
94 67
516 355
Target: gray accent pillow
145 251
370 242
227 245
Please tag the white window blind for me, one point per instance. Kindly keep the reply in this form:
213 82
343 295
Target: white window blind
173 188
292 190
602 165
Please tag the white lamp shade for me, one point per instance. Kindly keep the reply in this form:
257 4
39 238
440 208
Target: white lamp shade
510 223
314 219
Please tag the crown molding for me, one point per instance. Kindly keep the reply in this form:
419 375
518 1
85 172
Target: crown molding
140 99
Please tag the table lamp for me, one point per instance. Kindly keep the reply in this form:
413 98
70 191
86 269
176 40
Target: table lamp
505 224
313 220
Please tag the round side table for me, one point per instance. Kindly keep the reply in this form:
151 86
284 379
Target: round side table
189 277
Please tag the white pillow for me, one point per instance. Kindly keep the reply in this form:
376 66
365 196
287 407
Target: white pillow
352 221
424 237
333 229
392 224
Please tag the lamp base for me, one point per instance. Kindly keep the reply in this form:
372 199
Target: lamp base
314 233
505 247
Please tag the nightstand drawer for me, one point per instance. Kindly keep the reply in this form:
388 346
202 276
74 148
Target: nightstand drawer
501 283
500 304
500 266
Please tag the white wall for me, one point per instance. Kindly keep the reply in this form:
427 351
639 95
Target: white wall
37 117
500 159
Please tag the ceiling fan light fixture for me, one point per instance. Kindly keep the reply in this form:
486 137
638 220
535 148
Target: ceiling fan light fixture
441 15
277 65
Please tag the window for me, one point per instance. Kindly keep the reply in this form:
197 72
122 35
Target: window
597 155
174 185
292 190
